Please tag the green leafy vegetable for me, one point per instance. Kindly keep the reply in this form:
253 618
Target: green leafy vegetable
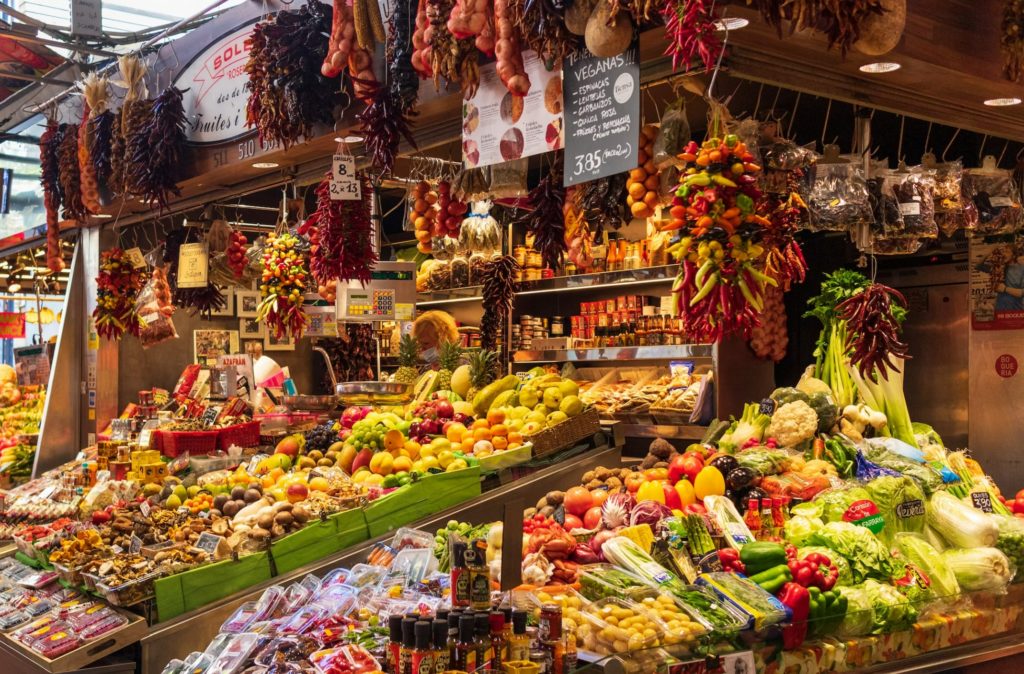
875 608
979 568
959 524
799 529
750 426
867 556
920 553
901 502
886 396
835 502
830 352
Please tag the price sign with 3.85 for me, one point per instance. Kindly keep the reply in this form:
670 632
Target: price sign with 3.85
344 183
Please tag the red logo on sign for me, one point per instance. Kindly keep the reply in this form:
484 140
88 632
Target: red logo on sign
1006 366
858 510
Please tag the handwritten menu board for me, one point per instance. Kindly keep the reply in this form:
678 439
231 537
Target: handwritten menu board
602 114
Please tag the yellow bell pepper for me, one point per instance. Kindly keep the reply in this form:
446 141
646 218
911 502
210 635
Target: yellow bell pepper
651 490
686 494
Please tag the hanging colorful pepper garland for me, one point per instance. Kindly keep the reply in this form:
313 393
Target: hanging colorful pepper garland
117 286
720 286
284 280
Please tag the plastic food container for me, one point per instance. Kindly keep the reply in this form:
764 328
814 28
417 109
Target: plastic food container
128 593
200 465
295 596
175 666
56 644
301 620
617 626
348 659
243 616
413 564
271 604
108 623
291 649
72 575
598 581
706 608
411 538
364 575
335 577
235 653
14 619
745 597
197 663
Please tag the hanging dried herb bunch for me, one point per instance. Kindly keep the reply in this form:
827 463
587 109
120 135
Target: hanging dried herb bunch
341 236
498 290
163 156
49 165
288 94
70 175
546 221
1012 39
100 129
839 21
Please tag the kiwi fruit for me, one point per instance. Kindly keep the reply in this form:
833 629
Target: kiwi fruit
265 521
284 519
238 493
251 496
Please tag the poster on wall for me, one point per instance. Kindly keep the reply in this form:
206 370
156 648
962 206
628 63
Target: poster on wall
499 127
997 286
12 325
209 345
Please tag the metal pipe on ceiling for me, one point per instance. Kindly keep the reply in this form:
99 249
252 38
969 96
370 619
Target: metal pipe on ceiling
39 79
60 44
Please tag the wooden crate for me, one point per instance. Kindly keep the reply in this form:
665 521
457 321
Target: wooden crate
565 434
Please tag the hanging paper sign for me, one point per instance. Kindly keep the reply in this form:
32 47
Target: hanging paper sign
344 185
12 325
135 256
193 265
602 115
498 126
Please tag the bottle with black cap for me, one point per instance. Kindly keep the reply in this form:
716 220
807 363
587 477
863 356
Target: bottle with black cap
422 656
519 644
482 640
464 655
499 646
394 643
408 643
441 654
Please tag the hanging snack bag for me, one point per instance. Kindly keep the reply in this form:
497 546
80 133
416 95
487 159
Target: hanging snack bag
996 197
914 190
950 200
673 135
154 308
838 200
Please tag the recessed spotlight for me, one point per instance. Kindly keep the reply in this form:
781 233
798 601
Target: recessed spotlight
102 215
348 139
265 164
731 23
1001 102
880 67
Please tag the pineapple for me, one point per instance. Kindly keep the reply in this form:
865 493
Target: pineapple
408 354
448 357
481 370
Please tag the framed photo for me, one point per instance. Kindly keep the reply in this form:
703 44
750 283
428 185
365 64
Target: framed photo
272 343
246 302
229 303
209 344
250 328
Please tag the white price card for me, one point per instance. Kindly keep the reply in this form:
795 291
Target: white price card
134 256
344 183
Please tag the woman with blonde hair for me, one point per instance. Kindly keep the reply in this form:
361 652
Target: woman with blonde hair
431 329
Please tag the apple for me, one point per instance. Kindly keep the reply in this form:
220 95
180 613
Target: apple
297 492
444 409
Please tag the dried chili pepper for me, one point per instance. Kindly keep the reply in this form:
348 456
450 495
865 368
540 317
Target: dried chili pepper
287 95
873 318
600 202
402 78
383 125
341 236
546 220
1012 39
284 280
49 165
691 29
165 149
838 20
499 288
139 115
543 30
70 174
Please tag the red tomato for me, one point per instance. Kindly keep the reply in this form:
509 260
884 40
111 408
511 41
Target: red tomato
1020 494
592 519
1018 506
599 496
572 522
677 469
578 501
696 509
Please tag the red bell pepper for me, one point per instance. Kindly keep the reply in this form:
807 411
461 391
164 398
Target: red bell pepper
672 499
798 600
730 559
814 570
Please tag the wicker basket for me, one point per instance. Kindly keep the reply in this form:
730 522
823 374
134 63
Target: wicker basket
565 434
242 435
175 443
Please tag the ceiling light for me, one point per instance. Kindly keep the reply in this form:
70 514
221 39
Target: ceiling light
731 23
102 215
880 67
265 164
14 287
1001 102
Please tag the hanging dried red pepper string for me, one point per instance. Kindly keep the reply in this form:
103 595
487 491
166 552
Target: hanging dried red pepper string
691 27
341 236
873 317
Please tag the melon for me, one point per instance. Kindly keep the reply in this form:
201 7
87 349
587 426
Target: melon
461 381
425 385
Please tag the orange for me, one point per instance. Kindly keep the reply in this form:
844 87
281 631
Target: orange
394 440
514 445
482 434
495 417
455 432
515 437
480 423
466 435
467 446
499 442
499 430
319 484
402 463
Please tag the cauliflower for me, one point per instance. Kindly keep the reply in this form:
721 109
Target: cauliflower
793 423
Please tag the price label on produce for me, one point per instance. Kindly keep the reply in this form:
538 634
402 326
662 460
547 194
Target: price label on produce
134 256
135 546
982 500
344 185
209 542
144 508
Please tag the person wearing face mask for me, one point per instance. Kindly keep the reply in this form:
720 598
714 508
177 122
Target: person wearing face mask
431 329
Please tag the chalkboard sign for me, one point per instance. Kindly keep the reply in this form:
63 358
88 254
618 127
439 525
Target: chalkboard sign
602 114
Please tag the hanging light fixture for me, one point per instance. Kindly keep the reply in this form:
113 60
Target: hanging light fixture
46 316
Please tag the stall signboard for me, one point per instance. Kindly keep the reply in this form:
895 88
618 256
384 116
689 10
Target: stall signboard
997 286
602 120
12 325
498 126
32 363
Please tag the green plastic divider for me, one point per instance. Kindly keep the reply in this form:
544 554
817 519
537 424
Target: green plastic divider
184 592
318 540
422 498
